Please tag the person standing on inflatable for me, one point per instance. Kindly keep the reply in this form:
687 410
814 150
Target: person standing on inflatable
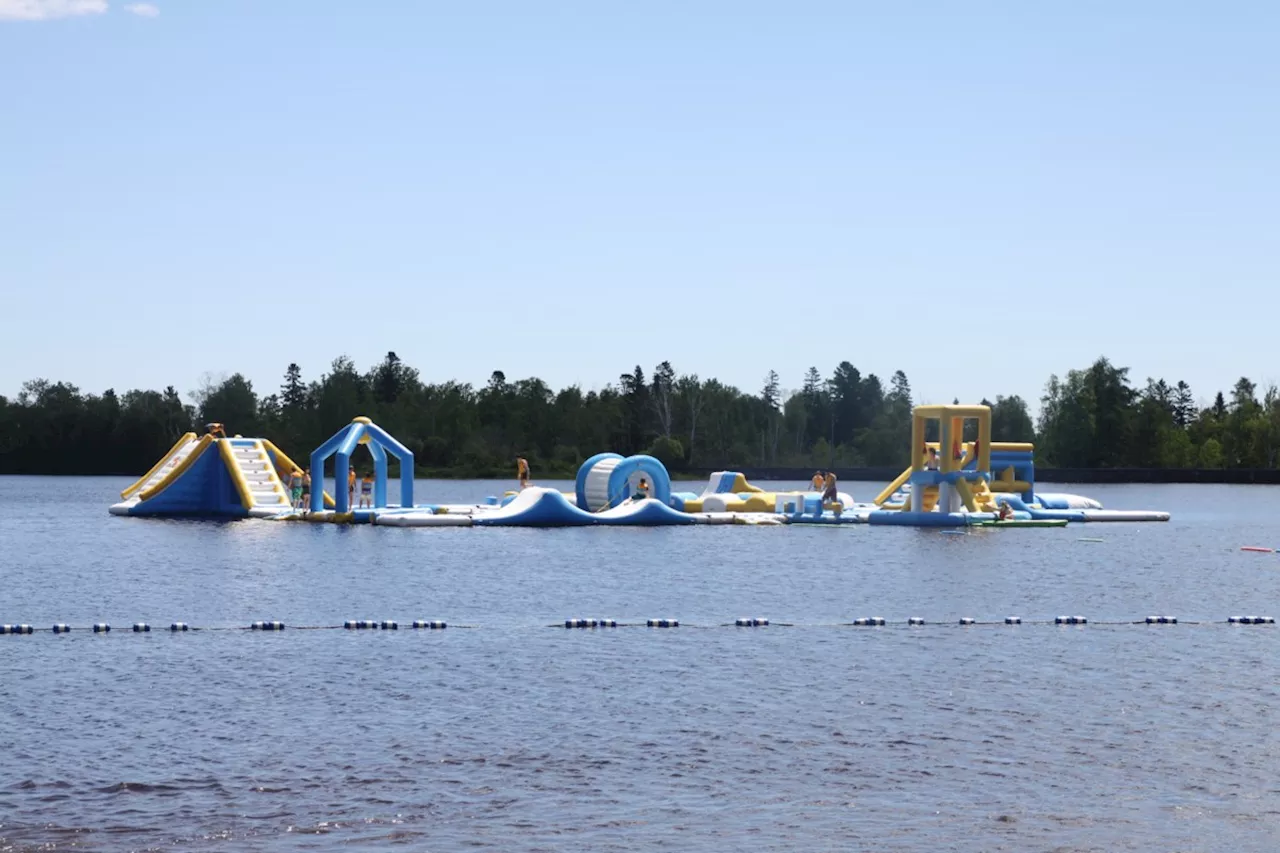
522 471
351 487
818 481
830 495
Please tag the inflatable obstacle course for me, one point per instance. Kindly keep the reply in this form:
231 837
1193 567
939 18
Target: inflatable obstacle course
951 483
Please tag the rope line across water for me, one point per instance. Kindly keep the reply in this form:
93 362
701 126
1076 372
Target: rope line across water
273 626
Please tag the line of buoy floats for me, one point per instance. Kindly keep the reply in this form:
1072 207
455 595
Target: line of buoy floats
580 623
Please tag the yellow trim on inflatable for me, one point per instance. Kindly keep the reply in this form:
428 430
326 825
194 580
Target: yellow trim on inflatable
237 476
1015 486
893 487
177 445
293 466
966 495
181 468
740 484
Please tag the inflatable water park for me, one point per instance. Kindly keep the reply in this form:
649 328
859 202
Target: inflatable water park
952 482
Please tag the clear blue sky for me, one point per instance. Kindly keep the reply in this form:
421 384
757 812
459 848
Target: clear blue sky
980 194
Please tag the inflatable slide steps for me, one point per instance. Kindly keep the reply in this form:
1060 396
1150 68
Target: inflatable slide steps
266 491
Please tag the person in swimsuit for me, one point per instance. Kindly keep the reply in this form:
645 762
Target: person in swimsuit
216 430
522 471
295 488
306 489
351 486
829 492
366 491
1005 513
818 481
932 464
830 495
642 490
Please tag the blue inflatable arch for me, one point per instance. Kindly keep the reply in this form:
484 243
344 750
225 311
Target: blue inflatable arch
342 445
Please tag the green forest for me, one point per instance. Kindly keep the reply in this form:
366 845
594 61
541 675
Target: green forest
1093 417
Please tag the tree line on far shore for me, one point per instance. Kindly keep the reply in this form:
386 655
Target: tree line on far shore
1094 417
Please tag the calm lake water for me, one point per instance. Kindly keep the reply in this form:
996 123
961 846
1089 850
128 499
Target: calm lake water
514 735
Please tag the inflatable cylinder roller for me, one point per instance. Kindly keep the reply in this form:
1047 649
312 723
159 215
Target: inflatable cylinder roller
595 481
606 480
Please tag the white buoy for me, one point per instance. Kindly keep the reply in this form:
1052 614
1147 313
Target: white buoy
179 626
1013 620
141 627
751 622
101 628
389 625
968 620
16 629
267 626
61 628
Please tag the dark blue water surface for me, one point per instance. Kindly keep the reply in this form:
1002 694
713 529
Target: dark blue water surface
514 735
